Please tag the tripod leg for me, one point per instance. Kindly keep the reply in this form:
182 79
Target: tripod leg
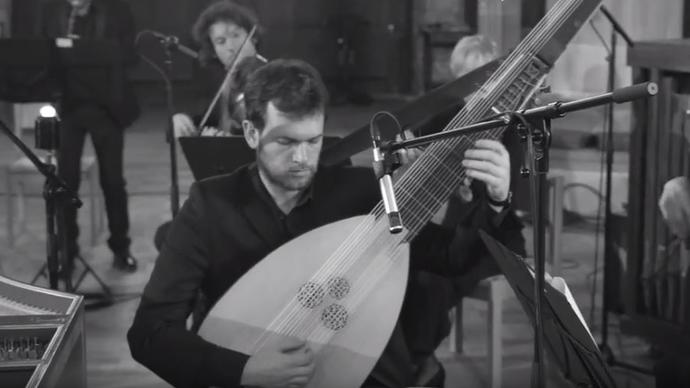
53 256
107 293
66 259
41 273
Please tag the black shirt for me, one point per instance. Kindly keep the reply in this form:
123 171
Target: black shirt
226 226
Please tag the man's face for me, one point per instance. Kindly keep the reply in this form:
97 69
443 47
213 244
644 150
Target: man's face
288 149
227 38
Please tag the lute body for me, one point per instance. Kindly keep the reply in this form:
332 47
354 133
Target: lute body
242 318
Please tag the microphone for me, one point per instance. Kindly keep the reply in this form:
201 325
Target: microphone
385 181
173 41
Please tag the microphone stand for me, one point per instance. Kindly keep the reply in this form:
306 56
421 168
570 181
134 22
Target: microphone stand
169 45
538 141
57 195
609 247
535 126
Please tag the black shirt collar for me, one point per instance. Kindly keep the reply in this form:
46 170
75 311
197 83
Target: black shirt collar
265 196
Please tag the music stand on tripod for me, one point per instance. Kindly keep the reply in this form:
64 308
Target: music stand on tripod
40 70
566 337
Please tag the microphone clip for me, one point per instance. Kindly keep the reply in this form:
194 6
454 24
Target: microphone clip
386 162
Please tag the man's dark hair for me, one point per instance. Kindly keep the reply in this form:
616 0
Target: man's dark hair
222 11
293 86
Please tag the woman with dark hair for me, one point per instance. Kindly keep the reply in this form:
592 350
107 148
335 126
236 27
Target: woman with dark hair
220 30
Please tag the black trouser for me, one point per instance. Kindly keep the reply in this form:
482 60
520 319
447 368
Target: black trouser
108 142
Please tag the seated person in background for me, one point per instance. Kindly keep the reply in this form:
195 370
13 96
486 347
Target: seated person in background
470 53
463 211
674 204
231 222
220 31
673 370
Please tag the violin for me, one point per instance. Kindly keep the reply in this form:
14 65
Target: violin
225 86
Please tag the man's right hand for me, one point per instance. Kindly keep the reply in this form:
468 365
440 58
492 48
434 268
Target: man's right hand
285 362
183 125
674 204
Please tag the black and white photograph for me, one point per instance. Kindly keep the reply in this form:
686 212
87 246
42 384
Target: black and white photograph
344 193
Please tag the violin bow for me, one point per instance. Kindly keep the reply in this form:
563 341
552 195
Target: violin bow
229 73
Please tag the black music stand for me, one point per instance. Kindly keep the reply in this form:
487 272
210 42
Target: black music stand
566 337
46 70
210 155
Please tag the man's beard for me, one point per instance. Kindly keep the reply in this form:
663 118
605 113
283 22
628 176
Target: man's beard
288 181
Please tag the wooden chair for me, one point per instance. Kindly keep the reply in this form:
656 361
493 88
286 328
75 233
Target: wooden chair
495 289
21 173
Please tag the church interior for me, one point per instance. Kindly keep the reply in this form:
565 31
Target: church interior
597 222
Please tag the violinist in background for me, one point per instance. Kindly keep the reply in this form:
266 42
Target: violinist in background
88 107
220 30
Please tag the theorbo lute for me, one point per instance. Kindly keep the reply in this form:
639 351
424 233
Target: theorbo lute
340 286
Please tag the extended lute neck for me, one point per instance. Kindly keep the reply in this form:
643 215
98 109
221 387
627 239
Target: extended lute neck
427 184
369 250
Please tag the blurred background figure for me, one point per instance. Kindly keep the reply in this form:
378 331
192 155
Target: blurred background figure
88 106
674 204
470 53
220 30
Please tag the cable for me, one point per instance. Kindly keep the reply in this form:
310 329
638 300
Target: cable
601 38
390 115
590 188
147 59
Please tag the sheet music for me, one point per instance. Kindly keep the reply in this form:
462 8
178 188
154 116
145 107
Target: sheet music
561 286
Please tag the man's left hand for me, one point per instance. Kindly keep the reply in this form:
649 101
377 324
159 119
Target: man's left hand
489 162
408 155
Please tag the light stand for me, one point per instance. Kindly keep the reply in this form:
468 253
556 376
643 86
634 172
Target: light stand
609 247
537 141
57 196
